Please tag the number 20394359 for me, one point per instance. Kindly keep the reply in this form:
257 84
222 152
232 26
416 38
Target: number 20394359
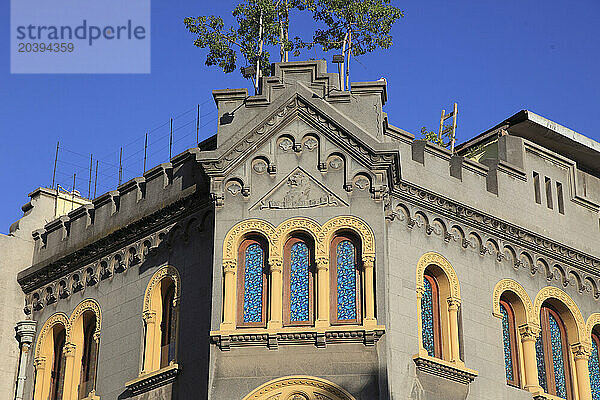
25 47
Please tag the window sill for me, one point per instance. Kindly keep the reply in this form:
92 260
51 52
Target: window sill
153 379
445 369
320 337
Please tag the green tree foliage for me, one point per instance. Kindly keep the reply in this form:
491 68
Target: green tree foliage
431 136
360 25
354 26
223 43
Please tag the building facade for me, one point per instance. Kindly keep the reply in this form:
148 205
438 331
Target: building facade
311 250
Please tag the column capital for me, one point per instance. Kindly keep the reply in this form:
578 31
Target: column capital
39 363
529 332
229 266
25 331
69 350
322 263
149 316
368 260
275 264
581 351
453 303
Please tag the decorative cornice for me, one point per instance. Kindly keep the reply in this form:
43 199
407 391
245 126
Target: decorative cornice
272 338
445 369
496 237
153 380
503 229
45 272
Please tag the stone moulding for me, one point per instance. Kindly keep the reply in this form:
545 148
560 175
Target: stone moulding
104 268
490 235
288 387
47 271
272 338
444 369
153 380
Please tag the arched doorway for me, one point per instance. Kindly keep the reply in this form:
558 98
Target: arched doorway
299 388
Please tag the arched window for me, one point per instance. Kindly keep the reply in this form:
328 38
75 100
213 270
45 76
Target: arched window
594 367
89 356
509 338
298 282
160 314
57 374
552 355
252 283
430 316
345 281
167 325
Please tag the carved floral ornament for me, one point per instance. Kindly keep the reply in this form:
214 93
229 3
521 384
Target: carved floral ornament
299 387
276 236
61 318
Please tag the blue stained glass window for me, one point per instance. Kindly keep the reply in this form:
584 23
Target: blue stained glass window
253 283
594 367
427 319
299 283
346 281
541 366
557 358
506 336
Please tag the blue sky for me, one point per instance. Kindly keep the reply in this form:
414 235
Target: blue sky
493 57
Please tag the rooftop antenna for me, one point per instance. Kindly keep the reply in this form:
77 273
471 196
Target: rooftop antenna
171 140
55 161
197 124
96 179
120 166
90 180
73 193
260 49
145 150
449 130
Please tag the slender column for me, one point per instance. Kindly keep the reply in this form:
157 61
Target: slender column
453 306
322 292
276 270
420 292
69 387
369 268
150 345
25 333
581 354
528 335
229 296
40 378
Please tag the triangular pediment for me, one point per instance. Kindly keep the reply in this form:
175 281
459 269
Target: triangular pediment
296 191
323 117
